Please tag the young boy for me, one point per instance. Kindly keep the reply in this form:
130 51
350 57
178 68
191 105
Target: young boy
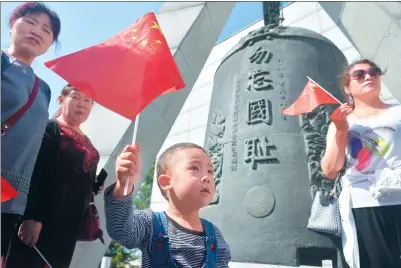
177 237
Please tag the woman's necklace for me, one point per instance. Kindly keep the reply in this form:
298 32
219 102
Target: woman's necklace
367 115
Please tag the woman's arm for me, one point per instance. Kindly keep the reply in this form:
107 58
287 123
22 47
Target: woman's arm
334 156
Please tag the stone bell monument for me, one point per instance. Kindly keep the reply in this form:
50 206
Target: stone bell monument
267 165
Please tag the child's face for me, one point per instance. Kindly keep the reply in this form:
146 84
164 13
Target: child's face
192 178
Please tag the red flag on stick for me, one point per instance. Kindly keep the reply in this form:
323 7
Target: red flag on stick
126 72
7 191
313 96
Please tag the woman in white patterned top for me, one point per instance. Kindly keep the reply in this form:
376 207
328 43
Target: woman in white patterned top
367 139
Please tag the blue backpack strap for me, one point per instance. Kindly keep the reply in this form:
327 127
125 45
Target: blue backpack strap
211 244
161 255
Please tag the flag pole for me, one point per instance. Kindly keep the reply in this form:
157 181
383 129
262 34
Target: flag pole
43 257
133 143
324 90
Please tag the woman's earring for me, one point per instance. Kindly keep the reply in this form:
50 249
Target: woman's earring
351 99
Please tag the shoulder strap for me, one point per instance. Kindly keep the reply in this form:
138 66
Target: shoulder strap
5 62
10 122
161 255
211 244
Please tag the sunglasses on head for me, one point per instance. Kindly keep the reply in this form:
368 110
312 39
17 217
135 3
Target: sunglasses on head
373 72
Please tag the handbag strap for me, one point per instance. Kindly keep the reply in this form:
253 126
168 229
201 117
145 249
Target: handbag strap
10 122
5 63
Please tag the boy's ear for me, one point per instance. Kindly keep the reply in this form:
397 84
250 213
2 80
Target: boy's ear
164 182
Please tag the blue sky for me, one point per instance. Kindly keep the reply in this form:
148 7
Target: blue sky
88 23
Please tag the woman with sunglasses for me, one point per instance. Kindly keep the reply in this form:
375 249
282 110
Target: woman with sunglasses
366 143
33 29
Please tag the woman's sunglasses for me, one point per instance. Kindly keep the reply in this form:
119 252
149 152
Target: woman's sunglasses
359 74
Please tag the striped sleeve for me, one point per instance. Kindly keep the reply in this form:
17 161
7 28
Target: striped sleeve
224 250
131 228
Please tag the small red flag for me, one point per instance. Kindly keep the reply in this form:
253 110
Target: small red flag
126 72
312 97
7 191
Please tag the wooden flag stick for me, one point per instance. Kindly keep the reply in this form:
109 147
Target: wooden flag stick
133 143
43 257
324 90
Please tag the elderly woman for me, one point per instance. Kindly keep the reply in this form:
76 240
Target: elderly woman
62 188
368 138
34 28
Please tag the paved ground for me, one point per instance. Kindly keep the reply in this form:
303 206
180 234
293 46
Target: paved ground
326 264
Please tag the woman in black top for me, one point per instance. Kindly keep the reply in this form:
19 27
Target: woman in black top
61 188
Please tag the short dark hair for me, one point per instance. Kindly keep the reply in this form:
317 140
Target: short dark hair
36 7
164 161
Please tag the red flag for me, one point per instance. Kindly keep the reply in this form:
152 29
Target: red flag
7 191
126 72
312 97
335 115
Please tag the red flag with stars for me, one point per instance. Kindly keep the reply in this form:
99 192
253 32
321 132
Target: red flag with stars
127 71
7 191
312 96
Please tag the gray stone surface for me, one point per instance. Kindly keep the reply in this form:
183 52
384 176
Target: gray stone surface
375 30
264 162
191 30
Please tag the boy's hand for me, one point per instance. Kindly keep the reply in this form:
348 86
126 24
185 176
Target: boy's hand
128 167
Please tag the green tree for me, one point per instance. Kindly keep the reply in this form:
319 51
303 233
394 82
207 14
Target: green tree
121 256
142 197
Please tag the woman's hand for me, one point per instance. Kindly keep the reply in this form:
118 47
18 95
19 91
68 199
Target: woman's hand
340 116
101 188
29 232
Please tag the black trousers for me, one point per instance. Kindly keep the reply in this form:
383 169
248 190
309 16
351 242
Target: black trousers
379 238
9 223
56 244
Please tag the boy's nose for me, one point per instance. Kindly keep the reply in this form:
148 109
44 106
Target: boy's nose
205 179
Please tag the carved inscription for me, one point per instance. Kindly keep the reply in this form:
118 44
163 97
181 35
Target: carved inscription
261 56
215 148
314 126
234 143
259 111
258 151
281 86
259 80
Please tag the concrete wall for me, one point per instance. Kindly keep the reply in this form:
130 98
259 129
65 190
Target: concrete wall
374 28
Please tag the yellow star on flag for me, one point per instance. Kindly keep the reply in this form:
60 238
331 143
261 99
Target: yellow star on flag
144 42
156 26
158 42
312 86
134 38
134 30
